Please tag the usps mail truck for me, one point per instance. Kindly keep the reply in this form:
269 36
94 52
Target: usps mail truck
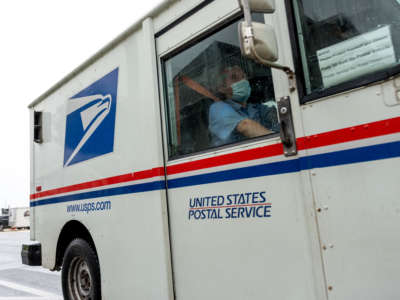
226 150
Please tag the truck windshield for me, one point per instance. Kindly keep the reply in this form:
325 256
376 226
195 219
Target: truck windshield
343 40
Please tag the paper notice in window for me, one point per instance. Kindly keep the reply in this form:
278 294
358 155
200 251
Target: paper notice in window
355 57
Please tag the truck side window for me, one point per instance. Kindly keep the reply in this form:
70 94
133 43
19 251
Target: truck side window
37 127
343 40
215 97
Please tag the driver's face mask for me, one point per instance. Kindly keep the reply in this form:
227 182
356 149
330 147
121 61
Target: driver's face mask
241 91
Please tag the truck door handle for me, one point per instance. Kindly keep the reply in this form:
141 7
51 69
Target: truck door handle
287 133
285 137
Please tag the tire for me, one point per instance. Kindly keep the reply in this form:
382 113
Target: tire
80 273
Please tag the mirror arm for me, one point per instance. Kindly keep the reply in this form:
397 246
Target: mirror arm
289 72
246 11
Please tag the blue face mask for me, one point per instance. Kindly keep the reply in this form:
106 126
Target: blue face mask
241 91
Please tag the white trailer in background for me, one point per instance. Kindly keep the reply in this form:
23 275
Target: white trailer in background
19 217
186 161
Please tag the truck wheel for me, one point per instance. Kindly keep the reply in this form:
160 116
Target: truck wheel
80 272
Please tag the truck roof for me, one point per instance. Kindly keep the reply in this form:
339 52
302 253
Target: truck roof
124 35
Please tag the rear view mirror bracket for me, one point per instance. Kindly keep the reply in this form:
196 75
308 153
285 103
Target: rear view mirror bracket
248 37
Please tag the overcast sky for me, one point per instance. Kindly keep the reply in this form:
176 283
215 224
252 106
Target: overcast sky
41 41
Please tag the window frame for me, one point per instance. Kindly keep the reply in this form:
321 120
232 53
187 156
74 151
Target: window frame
362 81
166 111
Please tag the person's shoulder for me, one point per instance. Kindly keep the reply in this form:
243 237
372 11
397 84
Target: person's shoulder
220 105
221 110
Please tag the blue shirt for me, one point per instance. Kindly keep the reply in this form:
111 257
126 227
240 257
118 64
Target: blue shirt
224 117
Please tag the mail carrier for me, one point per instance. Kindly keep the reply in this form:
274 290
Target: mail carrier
226 150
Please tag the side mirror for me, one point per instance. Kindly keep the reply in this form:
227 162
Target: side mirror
258 42
261 6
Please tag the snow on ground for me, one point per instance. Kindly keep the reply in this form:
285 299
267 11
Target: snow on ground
21 282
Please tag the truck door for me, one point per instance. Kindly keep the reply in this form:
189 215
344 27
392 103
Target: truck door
241 213
347 67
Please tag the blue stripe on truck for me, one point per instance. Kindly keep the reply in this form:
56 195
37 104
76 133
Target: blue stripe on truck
343 157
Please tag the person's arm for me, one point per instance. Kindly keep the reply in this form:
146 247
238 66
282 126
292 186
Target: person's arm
250 128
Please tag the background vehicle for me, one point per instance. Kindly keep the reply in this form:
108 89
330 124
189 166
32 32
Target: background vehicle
19 217
4 218
132 199
3 222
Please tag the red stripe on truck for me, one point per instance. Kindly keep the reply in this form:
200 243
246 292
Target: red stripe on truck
354 133
155 172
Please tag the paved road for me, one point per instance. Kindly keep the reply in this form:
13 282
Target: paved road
20 282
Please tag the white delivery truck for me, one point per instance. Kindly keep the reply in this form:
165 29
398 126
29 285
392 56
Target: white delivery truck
226 150
19 217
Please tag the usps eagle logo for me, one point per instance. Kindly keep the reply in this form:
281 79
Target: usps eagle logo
90 120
